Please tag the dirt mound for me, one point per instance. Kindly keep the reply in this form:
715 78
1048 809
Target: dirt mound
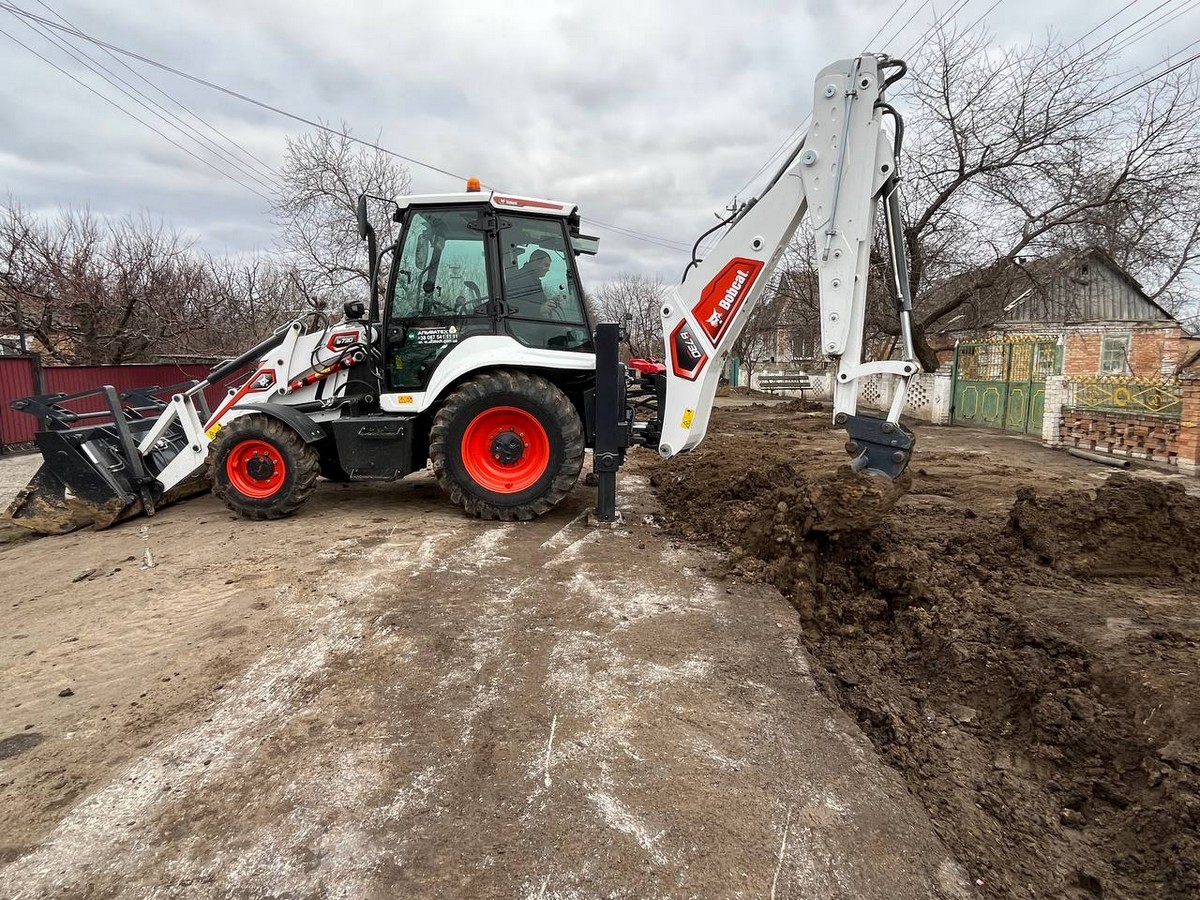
802 405
1027 742
1131 526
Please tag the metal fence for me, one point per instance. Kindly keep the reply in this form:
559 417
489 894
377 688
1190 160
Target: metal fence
1160 397
22 376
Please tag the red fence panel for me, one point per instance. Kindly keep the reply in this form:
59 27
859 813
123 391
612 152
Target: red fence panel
74 379
16 381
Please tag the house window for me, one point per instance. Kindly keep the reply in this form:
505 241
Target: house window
1114 354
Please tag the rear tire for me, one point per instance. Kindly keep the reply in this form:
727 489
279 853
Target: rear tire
261 469
507 445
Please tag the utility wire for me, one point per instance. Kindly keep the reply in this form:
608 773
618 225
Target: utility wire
264 168
879 30
134 116
665 243
991 9
224 90
899 31
1096 28
938 21
75 32
791 138
1109 101
186 130
1158 23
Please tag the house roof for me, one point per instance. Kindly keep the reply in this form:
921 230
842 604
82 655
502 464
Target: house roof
1071 287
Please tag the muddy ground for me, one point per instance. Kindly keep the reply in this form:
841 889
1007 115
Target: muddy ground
379 698
1019 636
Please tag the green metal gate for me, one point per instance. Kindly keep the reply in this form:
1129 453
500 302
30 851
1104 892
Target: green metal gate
1002 384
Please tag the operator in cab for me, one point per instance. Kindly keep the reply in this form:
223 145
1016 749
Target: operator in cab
525 288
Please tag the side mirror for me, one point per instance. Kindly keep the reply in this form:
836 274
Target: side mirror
361 209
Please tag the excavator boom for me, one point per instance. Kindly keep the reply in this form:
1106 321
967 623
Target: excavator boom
846 164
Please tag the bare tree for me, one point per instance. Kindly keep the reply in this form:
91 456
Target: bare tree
322 177
1027 151
1022 153
632 301
81 289
95 291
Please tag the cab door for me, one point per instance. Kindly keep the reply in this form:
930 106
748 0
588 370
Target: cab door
544 306
439 293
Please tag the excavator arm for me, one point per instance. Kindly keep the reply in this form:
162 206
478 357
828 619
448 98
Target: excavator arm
846 166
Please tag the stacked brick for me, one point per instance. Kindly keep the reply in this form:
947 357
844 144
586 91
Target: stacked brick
1173 441
1122 434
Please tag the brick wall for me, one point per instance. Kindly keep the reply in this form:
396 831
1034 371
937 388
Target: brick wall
1189 425
1122 434
1153 350
1168 440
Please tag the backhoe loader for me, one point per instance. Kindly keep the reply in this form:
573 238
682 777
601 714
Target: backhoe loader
477 355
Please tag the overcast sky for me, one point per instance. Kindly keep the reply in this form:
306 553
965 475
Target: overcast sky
649 115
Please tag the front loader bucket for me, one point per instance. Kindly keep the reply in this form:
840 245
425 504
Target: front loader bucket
92 472
48 505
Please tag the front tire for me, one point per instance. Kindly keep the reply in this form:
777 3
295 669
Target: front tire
261 469
507 445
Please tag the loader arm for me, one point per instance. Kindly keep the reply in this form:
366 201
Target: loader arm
847 164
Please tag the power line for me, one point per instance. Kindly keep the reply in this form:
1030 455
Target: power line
879 30
1158 23
665 243
791 138
134 116
146 103
991 9
75 32
1096 28
1109 101
938 21
899 31
224 90
264 167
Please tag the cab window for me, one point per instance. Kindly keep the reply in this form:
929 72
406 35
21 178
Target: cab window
442 266
545 307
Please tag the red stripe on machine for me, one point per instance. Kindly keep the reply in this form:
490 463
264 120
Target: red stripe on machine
723 297
261 380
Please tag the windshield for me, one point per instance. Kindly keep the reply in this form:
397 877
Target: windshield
442 269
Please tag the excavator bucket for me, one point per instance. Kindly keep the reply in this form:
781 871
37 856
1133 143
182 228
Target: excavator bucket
92 474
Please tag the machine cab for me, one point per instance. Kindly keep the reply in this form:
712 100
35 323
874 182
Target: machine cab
473 265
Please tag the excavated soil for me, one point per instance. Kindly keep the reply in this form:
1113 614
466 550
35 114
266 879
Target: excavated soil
1017 632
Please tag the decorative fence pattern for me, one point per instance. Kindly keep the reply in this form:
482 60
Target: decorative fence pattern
1161 397
928 397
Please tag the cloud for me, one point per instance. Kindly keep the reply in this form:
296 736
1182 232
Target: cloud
649 115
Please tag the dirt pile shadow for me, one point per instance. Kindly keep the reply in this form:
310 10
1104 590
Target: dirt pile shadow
1027 747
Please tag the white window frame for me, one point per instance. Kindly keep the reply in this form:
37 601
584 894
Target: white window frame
1106 349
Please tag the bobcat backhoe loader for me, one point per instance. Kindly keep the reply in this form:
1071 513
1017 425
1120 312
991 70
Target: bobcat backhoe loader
478 354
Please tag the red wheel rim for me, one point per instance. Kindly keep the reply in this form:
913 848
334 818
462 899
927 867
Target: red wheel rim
505 450
256 468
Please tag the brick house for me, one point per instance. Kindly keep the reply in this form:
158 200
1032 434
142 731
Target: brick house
1100 316
1071 348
